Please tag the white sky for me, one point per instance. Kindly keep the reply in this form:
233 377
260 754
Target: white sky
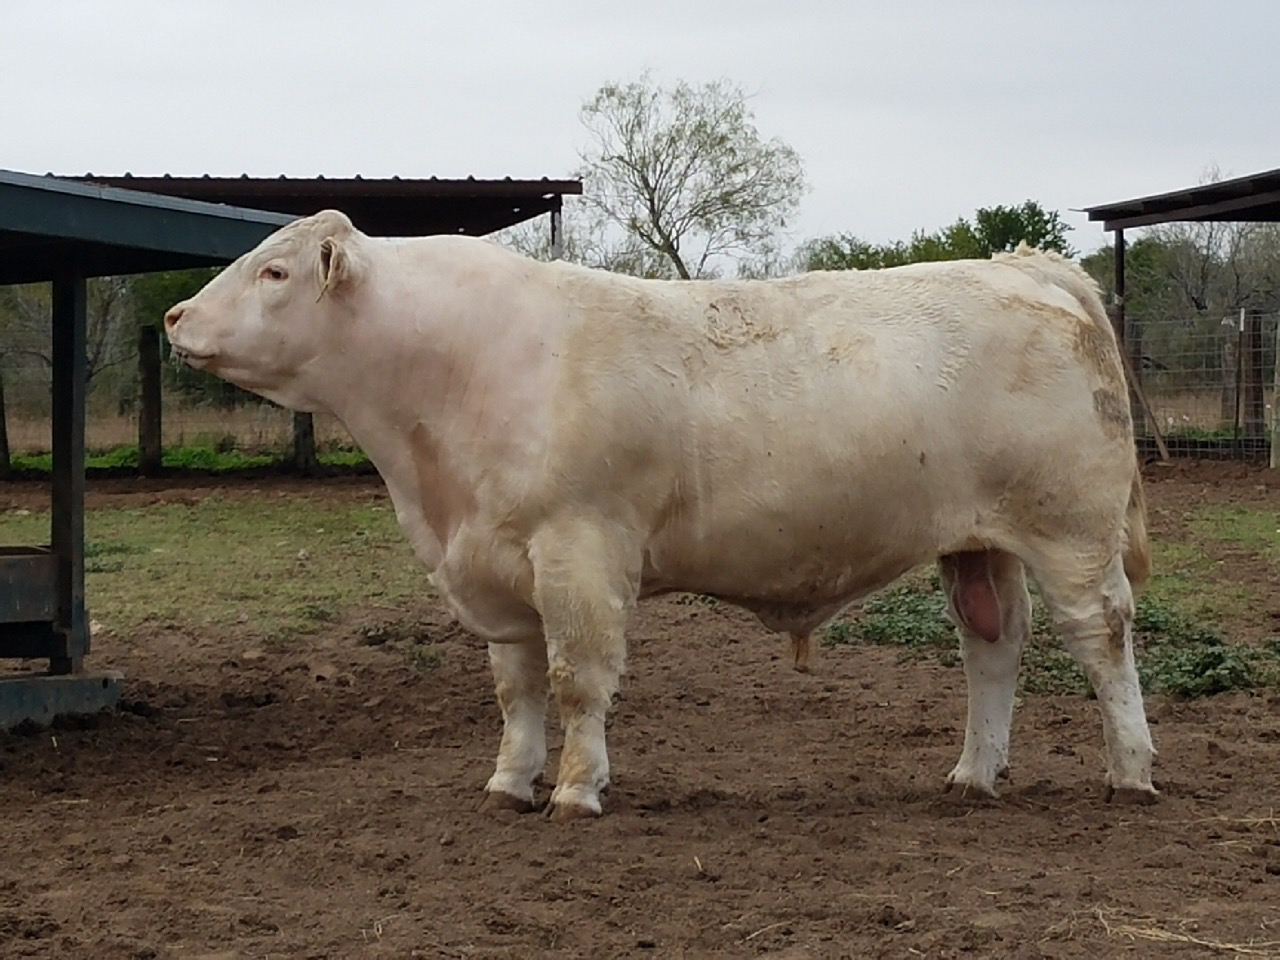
908 114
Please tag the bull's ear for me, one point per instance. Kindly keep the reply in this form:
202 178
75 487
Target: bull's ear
335 265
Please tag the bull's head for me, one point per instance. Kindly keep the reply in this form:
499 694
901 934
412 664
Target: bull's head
264 321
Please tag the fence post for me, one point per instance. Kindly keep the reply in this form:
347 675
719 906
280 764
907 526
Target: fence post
304 443
6 463
1252 400
1133 344
1275 405
150 444
1229 372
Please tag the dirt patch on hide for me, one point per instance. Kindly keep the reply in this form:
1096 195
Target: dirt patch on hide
318 800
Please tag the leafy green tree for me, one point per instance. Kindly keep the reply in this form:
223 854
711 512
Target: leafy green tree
1000 228
992 230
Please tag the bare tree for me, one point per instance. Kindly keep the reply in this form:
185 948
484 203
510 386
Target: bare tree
589 238
684 170
26 318
1219 268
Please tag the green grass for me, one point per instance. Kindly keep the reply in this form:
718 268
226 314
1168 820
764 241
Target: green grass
1187 577
1257 531
270 568
212 457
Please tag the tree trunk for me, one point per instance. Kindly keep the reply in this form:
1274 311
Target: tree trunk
150 442
304 444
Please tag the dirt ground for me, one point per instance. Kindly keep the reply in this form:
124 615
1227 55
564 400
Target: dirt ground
320 802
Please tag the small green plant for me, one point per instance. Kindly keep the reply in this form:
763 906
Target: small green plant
405 637
422 656
911 615
384 632
1176 655
319 612
688 599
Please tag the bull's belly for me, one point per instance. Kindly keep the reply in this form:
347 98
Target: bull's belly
782 577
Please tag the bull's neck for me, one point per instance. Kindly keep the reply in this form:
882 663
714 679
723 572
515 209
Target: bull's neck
394 390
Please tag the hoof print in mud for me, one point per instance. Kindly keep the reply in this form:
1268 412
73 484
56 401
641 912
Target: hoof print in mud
1131 796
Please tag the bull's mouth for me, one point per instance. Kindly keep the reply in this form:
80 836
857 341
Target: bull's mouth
189 357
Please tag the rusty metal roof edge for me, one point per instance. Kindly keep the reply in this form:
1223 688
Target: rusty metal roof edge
1201 193
569 186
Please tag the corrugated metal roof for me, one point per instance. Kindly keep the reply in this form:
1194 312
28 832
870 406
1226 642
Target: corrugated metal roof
49 227
1254 198
391 206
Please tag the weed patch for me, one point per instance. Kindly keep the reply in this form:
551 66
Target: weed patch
1176 654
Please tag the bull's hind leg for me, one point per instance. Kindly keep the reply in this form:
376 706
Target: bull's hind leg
988 602
801 649
586 578
520 676
1093 611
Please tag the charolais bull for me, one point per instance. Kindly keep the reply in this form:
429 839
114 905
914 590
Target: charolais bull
559 442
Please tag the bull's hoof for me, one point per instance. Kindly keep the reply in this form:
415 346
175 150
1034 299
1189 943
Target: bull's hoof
1130 796
498 801
564 812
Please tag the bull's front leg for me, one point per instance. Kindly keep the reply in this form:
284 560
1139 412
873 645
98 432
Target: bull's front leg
520 679
586 577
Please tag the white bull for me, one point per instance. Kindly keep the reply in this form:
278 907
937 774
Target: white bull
559 442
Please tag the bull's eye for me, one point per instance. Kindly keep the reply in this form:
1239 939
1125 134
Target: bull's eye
273 272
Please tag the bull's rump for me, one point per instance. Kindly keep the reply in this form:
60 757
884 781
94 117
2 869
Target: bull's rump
826 434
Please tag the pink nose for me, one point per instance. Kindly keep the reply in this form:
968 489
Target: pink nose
172 317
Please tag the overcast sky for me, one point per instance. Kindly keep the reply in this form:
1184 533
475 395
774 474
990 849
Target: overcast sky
907 114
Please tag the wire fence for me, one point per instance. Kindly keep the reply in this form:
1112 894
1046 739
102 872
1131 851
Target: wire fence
1210 382
224 424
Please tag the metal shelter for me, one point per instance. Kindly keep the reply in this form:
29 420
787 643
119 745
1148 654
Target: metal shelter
54 230
68 229
1250 199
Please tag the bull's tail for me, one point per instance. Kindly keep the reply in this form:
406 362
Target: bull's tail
1136 549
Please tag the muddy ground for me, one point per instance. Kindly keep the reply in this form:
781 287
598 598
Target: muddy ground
320 802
